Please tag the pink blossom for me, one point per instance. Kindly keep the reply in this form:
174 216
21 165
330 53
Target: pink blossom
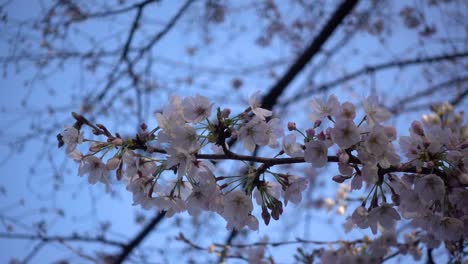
255 107
196 108
345 133
316 152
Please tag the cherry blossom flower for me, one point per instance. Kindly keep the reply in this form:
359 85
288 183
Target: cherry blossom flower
322 109
171 204
182 158
291 147
316 152
274 131
377 141
255 133
384 215
96 170
196 108
185 137
449 228
206 194
346 110
430 188
141 188
71 137
254 103
294 191
237 211
345 133
359 217
369 173
374 112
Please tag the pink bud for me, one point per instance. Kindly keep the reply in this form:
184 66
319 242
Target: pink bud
430 164
226 112
317 123
291 126
339 178
143 126
417 128
310 132
391 132
464 145
117 141
322 136
343 157
95 147
426 143
113 163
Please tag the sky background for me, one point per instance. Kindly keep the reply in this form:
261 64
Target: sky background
27 176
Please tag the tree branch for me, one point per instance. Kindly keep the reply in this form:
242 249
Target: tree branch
399 106
72 238
338 16
373 69
135 242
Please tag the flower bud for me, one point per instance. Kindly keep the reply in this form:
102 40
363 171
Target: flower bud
317 123
417 128
343 157
291 126
226 112
322 136
426 143
95 147
310 132
339 178
464 145
113 163
117 141
390 132
265 215
430 164
143 126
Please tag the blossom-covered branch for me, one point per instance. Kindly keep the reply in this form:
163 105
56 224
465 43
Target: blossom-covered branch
168 167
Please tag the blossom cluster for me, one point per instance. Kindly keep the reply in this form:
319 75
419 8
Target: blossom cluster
171 166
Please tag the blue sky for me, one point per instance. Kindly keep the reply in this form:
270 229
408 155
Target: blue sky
86 206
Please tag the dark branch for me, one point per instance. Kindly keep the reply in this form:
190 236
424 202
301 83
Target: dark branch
228 242
400 106
168 26
72 238
338 16
128 249
373 69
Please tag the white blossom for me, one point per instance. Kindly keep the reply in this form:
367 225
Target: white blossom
96 170
449 228
294 191
430 188
237 211
254 103
255 132
291 147
384 215
346 110
316 152
345 133
196 108
322 109
71 137
141 188
374 112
